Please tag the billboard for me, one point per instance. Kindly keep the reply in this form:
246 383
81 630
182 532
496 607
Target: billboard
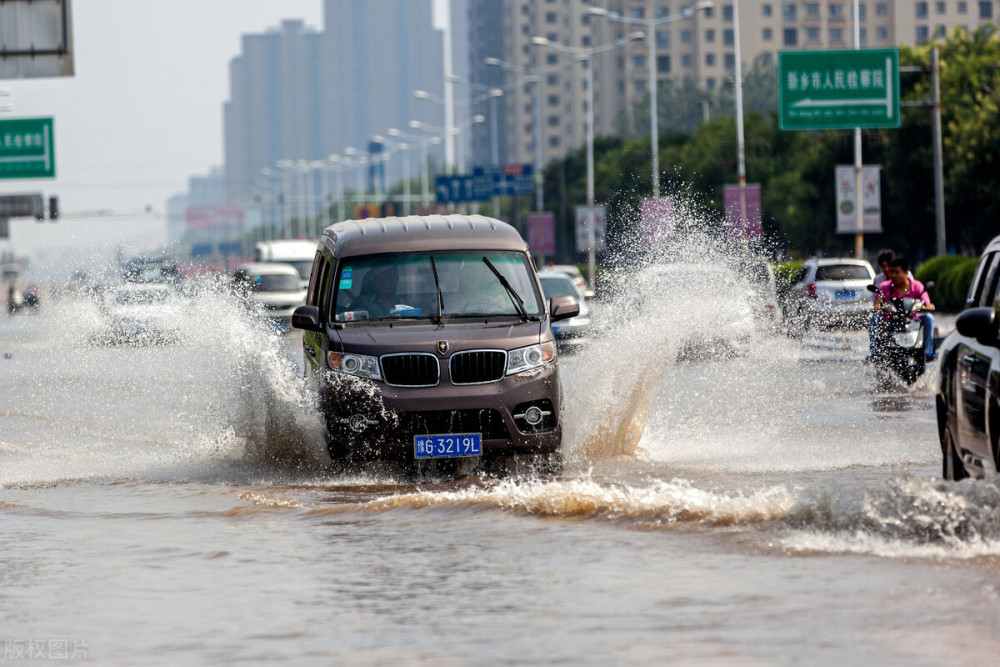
847 200
228 216
743 211
36 39
542 233
582 235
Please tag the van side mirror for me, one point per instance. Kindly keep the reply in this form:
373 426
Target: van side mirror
306 317
981 324
563 307
871 288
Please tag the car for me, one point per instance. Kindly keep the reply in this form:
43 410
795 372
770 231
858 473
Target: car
138 314
968 392
427 341
710 306
760 276
297 252
574 273
273 288
831 291
572 333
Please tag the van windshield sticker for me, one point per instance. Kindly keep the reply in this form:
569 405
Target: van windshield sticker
346 284
347 274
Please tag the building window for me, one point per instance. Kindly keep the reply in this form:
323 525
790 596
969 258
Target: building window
881 9
837 12
550 17
922 34
662 63
730 61
686 60
551 59
685 36
710 82
881 34
585 40
709 12
836 35
812 34
709 35
790 37
941 32
986 10
765 10
728 37
812 10
552 79
638 13
640 85
662 11
863 36
553 121
553 100
788 12
585 19
553 142
921 9
963 8
862 11
663 39
768 34
727 13
639 61
710 59
940 7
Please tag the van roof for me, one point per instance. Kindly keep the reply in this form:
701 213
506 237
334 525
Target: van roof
421 233
268 268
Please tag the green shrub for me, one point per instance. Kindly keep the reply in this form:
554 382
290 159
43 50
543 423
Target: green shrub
937 267
951 290
784 274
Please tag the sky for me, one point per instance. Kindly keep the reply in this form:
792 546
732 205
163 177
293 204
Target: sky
142 113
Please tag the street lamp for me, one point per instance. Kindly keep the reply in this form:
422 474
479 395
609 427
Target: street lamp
586 56
425 168
651 25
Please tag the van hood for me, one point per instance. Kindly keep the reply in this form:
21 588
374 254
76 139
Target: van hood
424 337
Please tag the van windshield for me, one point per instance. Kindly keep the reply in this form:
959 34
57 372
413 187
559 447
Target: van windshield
380 287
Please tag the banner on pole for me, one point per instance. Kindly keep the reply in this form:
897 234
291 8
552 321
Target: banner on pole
847 200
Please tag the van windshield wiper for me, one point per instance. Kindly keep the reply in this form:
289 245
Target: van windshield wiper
511 292
437 284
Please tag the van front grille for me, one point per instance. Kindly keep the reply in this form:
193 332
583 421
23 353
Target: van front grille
410 370
478 366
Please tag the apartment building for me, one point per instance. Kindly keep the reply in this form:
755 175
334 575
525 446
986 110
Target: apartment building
699 44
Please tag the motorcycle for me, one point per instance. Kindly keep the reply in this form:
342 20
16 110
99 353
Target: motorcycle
900 338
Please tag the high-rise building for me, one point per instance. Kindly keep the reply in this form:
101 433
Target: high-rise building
299 96
700 46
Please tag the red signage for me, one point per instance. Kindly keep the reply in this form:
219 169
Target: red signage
542 233
229 216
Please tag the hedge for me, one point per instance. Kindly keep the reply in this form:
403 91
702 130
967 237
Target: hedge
952 275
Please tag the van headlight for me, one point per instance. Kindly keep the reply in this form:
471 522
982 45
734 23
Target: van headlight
532 356
358 365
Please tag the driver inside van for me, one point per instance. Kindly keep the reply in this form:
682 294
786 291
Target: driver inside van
482 292
378 292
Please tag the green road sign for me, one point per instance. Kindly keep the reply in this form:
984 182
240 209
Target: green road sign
27 148
827 90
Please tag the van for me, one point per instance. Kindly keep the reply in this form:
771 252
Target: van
297 252
428 338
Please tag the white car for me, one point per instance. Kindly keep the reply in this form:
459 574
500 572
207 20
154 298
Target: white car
832 290
574 275
570 333
274 288
139 314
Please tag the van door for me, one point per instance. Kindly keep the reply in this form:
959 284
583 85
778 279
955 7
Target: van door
318 295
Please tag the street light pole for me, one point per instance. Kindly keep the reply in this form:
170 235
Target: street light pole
650 25
586 56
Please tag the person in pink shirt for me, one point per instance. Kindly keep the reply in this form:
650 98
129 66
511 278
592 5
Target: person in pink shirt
901 286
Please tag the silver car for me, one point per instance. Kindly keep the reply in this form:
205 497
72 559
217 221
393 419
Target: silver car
832 291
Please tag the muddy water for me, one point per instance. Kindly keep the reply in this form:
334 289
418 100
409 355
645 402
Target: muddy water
171 504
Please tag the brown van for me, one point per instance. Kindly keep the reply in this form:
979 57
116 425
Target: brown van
428 338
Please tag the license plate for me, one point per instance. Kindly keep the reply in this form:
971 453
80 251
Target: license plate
447 445
845 294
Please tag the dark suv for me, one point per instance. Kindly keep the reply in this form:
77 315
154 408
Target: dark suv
968 398
428 338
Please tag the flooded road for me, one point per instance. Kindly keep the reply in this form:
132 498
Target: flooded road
171 504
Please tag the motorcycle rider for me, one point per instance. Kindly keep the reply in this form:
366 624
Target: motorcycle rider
900 286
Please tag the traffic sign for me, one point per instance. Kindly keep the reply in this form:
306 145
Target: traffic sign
827 90
518 180
27 148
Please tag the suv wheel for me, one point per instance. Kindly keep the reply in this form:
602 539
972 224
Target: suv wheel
951 467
